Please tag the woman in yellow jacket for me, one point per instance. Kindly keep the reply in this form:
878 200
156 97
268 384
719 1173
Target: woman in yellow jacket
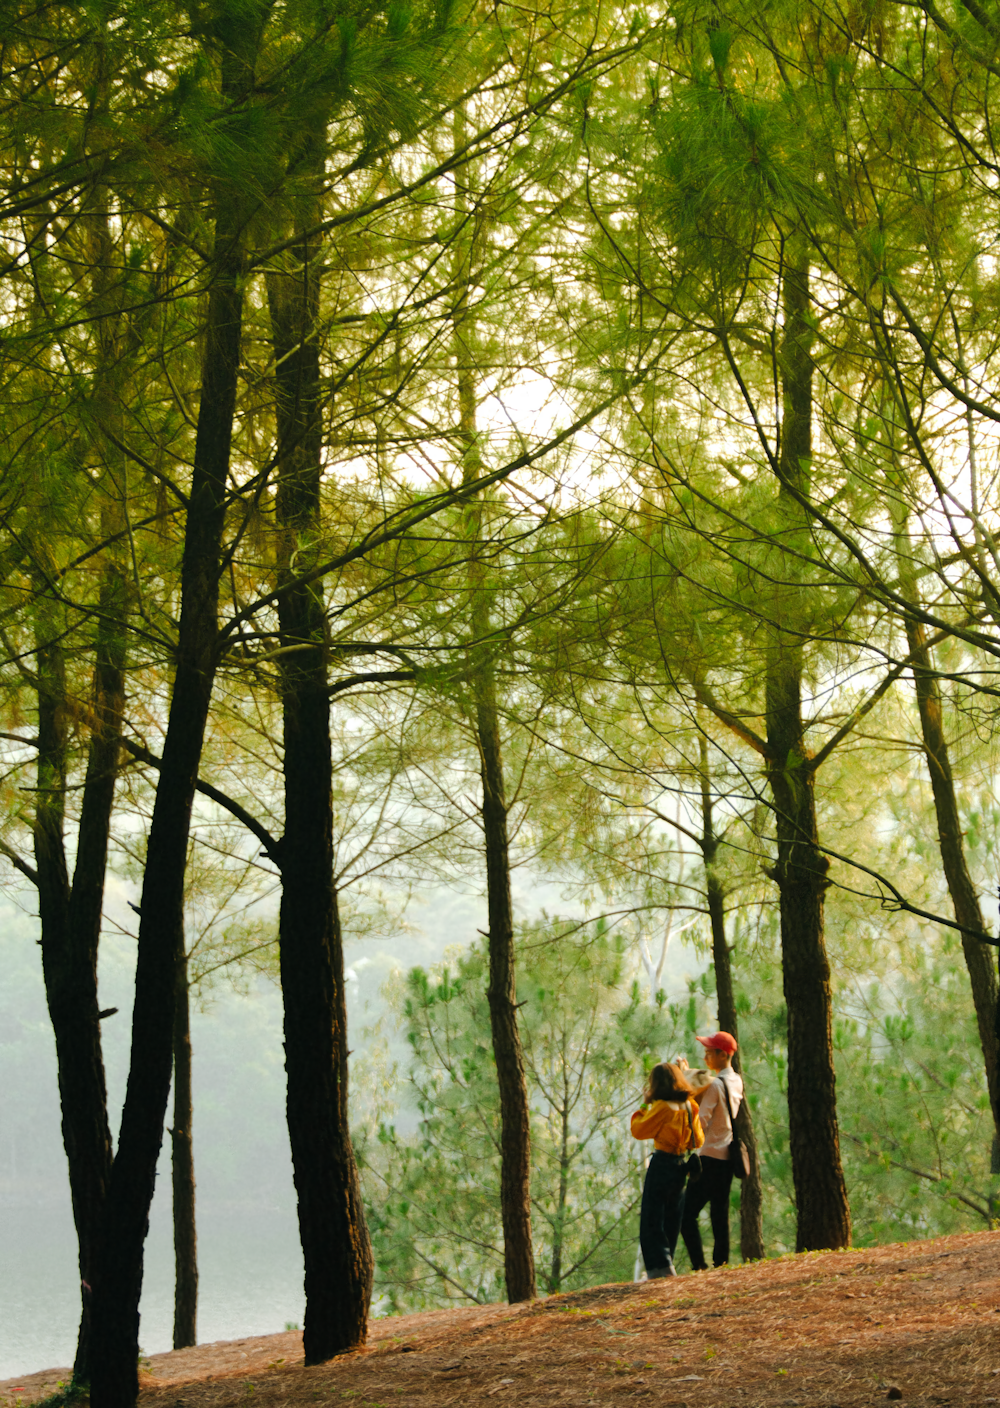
669 1117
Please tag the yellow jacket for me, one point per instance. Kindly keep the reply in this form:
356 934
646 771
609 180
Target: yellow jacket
673 1126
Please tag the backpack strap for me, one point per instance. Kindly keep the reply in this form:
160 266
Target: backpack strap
687 1106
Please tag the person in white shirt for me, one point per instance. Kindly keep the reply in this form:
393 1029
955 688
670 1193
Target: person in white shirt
717 1171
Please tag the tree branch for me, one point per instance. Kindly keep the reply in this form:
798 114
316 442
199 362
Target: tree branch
404 520
19 864
922 1173
865 707
270 843
736 725
375 677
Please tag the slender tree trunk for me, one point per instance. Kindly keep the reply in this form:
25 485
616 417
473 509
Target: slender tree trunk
86 904
70 974
71 913
964 899
71 918
118 1281
182 1169
335 1243
751 1194
501 992
824 1218
559 1225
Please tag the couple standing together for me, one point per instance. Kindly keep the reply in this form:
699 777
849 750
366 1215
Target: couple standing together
681 1120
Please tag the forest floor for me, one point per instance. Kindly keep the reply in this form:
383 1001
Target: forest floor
919 1322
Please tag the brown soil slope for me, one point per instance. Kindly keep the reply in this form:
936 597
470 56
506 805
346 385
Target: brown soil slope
917 1321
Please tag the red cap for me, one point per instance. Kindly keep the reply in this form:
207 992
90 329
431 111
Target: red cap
722 1041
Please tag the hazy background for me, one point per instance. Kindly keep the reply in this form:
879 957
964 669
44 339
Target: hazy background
249 1259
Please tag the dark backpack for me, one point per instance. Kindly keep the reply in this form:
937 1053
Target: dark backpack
739 1155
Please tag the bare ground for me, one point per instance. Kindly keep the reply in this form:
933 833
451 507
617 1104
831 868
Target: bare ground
918 1321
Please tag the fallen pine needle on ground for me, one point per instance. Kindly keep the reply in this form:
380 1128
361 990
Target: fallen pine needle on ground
917 1322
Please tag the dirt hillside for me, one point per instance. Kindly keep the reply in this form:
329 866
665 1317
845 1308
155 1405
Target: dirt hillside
919 1322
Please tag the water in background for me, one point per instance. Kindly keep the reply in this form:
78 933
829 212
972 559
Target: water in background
250 1281
250 1262
249 1256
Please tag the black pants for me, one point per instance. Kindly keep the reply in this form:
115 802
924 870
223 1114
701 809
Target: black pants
713 1188
661 1209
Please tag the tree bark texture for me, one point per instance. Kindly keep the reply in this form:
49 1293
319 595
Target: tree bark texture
515 1129
751 1195
117 1287
71 917
335 1243
824 1218
964 899
182 1170
71 912
501 992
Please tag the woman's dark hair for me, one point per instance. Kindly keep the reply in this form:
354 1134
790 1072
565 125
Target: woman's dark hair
667 1082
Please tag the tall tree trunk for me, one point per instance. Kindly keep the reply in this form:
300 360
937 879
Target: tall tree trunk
501 992
86 902
118 1281
335 1243
69 965
964 899
182 1169
751 1196
71 917
824 1217
71 912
